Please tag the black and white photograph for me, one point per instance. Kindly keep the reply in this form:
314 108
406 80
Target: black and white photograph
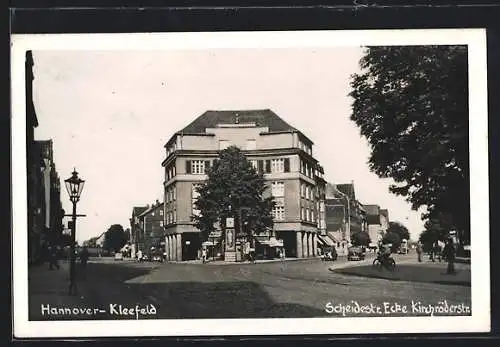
312 182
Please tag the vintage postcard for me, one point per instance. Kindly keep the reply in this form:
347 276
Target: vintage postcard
250 183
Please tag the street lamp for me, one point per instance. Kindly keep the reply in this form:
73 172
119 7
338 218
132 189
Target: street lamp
74 186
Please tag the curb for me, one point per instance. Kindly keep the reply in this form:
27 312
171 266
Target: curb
224 263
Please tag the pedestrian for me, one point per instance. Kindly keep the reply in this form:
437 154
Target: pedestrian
449 253
419 251
84 257
53 258
204 255
139 255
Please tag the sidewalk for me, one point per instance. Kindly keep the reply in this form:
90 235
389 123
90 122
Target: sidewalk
222 262
50 287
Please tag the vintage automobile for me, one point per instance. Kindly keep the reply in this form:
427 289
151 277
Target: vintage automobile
356 253
118 256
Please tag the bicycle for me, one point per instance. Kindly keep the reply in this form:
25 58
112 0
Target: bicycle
384 262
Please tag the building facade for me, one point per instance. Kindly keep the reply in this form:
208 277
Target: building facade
45 213
276 149
378 223
34 198
147 228
345 215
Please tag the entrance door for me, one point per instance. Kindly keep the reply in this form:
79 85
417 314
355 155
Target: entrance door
289 242
191 243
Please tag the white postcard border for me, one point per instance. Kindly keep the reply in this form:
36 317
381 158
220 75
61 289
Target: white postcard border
479 321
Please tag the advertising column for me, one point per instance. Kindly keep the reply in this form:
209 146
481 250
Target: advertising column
230 244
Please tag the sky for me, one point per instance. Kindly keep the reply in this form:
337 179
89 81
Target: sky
109 114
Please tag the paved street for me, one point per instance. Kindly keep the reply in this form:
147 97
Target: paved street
300 288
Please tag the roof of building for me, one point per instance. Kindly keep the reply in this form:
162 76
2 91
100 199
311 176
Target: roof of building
137 210
372 210
385 213
261 118
347 189
330 191
151 208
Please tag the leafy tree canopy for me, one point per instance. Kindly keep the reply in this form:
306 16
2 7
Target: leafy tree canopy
361 238
392 238
114 238
400 229
233 183
411 103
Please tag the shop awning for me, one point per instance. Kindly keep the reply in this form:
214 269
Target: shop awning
273 242
326 240
208 243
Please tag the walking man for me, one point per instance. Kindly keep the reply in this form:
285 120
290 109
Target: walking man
84 257
204 255
449 253
419 251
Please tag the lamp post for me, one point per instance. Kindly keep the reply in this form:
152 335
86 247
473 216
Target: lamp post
74 186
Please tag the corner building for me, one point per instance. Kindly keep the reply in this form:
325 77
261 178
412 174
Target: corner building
275 148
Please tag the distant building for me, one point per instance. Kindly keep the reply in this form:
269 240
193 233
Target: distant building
35 222
152 227
136 229
344 215
45 213
275 148
378 223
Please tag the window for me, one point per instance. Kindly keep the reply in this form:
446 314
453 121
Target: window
223 144
174 216
174 193
278 165
308 215
313 216
278 189
279 209
308 193
161 212
197 167
251 144
302 190
303 213
254 164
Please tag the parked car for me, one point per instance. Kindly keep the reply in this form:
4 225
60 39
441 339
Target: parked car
355 253
118 256
157 257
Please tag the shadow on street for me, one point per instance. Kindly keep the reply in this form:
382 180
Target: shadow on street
411 273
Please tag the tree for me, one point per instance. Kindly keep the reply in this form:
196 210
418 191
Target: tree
127 234
411 103
114 238
392 238
432 233
361 238
399 229
233 186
